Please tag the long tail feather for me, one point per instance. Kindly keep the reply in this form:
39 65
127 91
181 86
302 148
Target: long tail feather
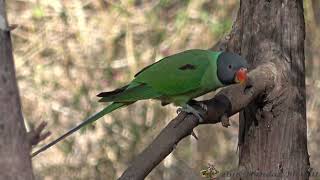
89 120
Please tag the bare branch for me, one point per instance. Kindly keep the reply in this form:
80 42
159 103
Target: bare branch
229 100
36 135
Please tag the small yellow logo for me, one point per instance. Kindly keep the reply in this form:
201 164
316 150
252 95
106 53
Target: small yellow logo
210 172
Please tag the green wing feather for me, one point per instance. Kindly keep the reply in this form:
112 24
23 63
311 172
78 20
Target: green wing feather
180 73
135 92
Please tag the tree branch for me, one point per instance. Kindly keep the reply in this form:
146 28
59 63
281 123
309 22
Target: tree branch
229 100
36 135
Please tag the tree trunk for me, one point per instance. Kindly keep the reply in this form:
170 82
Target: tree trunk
15 163
273 133
316 12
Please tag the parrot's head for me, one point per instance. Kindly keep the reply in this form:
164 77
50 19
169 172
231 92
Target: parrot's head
232 68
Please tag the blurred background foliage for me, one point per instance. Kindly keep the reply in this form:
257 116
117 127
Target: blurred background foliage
67 51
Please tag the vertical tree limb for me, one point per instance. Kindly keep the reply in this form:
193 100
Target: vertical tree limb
274 133
15 161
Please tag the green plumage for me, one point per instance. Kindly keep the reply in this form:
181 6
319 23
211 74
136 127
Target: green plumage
174 79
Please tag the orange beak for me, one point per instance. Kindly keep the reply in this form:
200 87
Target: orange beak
241 75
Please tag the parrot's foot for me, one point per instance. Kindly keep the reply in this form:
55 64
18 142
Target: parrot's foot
189 109
203 106
197 103
225 120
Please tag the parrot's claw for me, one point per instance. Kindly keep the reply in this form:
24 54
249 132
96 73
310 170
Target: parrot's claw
225 120
189 109
203 106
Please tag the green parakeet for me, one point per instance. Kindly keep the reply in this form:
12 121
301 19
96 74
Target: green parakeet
176 79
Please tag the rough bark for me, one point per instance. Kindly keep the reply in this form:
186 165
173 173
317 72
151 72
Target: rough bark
274 136
15 162
316 11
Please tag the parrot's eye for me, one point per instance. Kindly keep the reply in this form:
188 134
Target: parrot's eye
230 66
